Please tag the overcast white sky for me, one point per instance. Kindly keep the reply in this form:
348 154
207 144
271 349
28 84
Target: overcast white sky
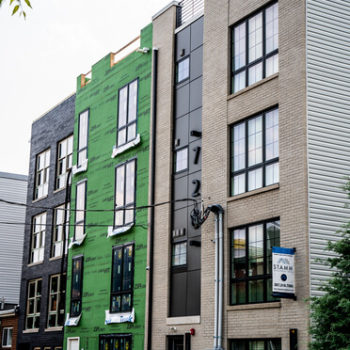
41 57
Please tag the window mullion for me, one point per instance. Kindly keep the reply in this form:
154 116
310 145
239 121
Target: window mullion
246 155
263 147
264 43
124 199
247 264
246 52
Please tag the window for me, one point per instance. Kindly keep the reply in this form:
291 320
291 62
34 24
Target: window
33 304
181 159
77 285
183 70
56 308
80 207
125 178
127 113
251 262
115 341
6 337
254 152
58 227
261 344
122 278
38 238
64 161
255 48
179 254
42 174
83 137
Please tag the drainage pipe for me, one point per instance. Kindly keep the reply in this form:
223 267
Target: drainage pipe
219 264
152 197
221 279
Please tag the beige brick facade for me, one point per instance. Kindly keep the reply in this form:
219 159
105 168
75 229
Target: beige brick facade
287 200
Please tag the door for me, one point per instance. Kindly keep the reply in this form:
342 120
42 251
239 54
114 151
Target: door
175 342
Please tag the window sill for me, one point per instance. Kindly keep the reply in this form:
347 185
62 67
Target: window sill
77 242
34 330
120 317
59 189
183 320
72 321
253 193
35 263
53 329
263 81
118 231
118 150
56 257
39 199
81 168
268 305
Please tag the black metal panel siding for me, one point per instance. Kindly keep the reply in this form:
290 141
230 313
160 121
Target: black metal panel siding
185 280
47 131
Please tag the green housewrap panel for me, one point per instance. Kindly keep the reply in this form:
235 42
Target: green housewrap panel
100 96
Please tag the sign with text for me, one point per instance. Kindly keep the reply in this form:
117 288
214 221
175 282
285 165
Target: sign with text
283 272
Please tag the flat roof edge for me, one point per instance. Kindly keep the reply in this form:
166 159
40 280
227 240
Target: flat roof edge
172 3
13 176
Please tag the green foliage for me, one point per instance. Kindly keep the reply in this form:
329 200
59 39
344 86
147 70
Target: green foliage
19 7
330 313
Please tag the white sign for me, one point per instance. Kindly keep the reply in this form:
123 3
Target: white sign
283 273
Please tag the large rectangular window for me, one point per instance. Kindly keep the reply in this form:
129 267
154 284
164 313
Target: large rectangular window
64 161
33 304
6 341
127 113
80 207
122 278
251 262
255 152
125 179
58 229
38 238
115 342
83 137
56 308
256 344
255 48
77 286
42 169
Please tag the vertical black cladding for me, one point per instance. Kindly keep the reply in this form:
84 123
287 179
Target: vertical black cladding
187 156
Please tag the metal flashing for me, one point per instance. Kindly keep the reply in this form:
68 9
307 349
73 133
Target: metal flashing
167 7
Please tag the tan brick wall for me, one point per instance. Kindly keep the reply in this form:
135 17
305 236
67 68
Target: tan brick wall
287 201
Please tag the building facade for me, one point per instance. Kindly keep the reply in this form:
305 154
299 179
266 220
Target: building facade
106 276
13 188
267 144
42 291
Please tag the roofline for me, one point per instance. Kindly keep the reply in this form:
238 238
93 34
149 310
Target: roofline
8 313
13 176
172 3
52 108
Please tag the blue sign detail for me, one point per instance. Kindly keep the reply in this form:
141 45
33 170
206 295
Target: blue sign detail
281 250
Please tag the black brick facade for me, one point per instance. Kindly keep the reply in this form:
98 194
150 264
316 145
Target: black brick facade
47 131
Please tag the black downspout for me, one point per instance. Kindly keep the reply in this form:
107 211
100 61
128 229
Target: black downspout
152 199
64 257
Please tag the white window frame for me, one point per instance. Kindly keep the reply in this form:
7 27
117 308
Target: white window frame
80 215
36 313
58 300
37 245
83 131
7 331
64 158
42 172
58 228
69 342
